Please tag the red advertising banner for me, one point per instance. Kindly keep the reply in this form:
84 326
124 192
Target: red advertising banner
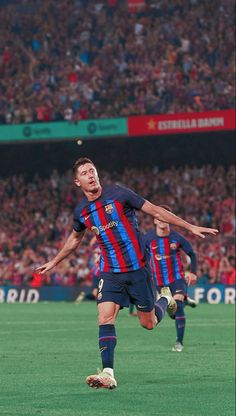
135 6
181 123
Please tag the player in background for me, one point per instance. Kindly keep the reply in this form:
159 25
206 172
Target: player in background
125 276
164 246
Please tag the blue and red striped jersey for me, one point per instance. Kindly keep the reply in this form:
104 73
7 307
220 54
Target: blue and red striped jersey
165 256
113 219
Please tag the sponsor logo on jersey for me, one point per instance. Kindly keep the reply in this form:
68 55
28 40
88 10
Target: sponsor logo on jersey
173 246
109 208
98 230
160 257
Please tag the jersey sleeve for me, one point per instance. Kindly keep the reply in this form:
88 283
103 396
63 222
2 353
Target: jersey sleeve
131 198
188 249
77 224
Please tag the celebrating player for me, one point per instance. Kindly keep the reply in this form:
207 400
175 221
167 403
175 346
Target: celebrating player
124 274
164 246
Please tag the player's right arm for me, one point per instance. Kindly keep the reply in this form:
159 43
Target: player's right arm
71 244
160 213
163 215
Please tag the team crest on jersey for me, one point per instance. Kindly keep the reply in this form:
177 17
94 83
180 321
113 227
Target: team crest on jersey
109 208
95 230
158 257
173 246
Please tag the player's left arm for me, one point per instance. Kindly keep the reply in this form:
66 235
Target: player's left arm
163 215
190 276
186 246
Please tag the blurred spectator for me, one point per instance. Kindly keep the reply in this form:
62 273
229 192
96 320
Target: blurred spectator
72 60
36 216
228 271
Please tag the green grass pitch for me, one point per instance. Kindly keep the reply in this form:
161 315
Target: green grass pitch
48 349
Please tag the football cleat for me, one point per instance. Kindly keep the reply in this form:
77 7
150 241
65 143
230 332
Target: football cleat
101 380
190 302
178 347
172 305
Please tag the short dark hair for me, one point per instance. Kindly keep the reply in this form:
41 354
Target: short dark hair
166 207
80 162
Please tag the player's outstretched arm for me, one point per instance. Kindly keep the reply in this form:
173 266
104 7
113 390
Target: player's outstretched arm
70 245
167 216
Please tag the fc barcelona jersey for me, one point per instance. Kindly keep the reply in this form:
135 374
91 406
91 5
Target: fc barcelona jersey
113 220
165 256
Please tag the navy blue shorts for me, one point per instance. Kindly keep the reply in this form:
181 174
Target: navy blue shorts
124 288
178 286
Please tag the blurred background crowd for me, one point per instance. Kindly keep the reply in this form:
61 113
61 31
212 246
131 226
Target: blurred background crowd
83 59
37 215
78 59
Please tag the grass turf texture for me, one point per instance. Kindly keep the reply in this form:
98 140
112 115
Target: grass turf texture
47 350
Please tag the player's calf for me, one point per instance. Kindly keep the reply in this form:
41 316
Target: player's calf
180 321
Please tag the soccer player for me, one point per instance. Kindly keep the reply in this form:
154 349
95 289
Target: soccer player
164 246
109 212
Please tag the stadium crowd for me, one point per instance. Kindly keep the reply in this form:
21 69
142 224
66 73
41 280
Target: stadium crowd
78 59
36 216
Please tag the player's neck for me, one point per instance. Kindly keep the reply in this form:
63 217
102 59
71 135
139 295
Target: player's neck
162 233
92 196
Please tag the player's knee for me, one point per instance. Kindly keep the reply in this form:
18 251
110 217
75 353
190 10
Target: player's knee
149 325
106 319
179 296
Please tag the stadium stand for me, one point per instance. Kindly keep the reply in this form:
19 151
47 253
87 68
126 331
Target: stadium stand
73 60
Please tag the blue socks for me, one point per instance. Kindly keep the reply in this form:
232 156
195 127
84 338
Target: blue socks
160 308
180 321
107 343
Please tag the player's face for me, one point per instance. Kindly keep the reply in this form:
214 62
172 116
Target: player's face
162 226
87 178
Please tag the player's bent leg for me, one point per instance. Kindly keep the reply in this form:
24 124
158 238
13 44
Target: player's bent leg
166 302
148 320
